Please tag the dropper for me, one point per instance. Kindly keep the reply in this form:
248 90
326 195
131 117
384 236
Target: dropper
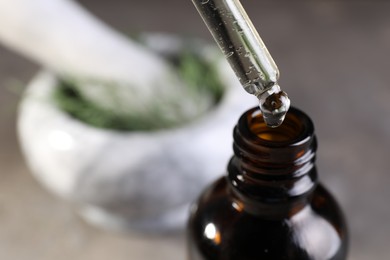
247 55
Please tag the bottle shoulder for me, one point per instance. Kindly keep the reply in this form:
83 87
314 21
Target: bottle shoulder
220 228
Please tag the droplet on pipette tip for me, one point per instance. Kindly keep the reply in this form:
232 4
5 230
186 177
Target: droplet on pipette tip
274 104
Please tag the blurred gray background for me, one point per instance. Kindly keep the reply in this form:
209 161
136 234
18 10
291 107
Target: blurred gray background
334 62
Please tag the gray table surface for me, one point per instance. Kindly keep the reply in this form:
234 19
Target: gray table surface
334 62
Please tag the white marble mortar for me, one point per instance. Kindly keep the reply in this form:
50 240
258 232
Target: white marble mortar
127 180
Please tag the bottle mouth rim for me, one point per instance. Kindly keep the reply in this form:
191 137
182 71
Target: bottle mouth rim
296 129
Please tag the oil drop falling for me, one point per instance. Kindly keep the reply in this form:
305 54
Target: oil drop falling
274 104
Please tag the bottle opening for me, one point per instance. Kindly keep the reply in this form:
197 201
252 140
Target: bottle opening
296 127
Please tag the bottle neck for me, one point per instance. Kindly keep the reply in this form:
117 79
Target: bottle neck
272 171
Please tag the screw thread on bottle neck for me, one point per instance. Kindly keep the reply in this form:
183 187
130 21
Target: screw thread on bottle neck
273 166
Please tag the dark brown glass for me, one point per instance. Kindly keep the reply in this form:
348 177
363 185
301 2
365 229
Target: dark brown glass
270 205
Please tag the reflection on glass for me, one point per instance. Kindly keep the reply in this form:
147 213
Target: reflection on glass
212 233
309 232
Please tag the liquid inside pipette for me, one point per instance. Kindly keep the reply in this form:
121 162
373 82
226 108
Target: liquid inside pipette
247 55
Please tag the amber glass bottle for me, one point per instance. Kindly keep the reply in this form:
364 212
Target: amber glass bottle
270 205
